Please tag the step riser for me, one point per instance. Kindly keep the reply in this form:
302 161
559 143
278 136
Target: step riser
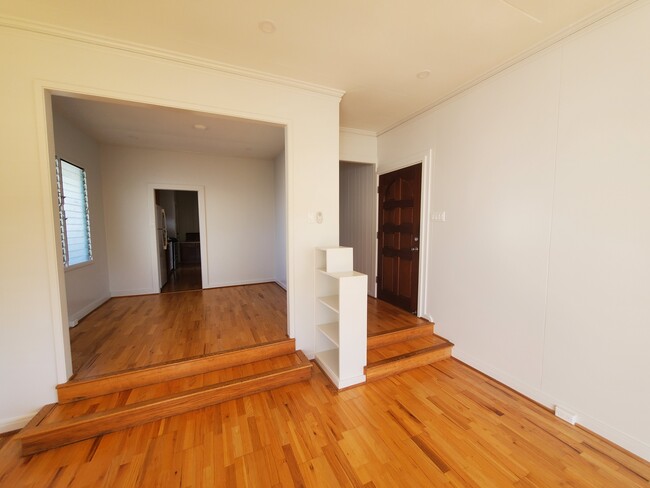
397 366
82 389
402 335
50 436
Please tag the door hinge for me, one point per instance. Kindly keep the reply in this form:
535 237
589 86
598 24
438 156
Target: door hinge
377 234
376 279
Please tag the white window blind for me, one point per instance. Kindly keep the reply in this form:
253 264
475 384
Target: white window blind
73 213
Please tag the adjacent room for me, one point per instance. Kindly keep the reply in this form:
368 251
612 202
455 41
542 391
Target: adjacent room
157 180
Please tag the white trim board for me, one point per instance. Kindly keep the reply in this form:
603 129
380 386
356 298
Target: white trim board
203 230
15 423
132 47
94 305
257 281
425 158
43 90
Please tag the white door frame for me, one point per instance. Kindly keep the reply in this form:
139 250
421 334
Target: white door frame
427 160
151 200
43 99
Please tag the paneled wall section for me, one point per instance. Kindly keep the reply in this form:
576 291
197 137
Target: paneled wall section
358 228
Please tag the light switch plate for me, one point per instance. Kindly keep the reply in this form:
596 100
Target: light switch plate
315 217
439 216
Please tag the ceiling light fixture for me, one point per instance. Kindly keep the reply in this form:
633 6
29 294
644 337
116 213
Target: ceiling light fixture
200 126
423 74
267 26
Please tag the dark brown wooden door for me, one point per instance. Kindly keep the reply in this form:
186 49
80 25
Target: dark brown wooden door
399 237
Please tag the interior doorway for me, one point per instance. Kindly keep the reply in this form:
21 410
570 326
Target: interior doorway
398 237
215 159
178 237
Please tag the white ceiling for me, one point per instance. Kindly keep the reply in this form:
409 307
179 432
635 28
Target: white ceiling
371 49
138 125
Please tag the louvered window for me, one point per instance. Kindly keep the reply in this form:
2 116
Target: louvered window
73 213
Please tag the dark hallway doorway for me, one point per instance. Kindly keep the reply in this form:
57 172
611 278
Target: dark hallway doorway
181 259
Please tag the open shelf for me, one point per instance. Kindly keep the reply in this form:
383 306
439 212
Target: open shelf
340 316
331 301
329 361
331 331
340 274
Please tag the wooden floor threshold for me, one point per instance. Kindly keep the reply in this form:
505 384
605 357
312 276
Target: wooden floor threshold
48 436
399 335
404 362
75 390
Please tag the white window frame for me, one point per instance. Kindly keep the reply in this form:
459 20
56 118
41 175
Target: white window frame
65 247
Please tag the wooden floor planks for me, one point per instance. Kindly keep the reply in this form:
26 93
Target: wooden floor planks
384 317
442 424
136 332
133 332
64 428
109 383
438 425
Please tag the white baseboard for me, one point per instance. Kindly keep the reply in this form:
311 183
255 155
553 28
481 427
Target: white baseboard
258 281
74 318
428 317
610 433
280 284
614 435
525 389
354 380
129 293
223 284
15 423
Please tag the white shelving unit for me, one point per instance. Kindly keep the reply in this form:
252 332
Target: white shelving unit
341 317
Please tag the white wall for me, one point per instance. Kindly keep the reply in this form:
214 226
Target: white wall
357 216
32 334
357 146
86 286
239 206
280 243
540 273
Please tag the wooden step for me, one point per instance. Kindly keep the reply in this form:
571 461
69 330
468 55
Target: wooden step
75 390
66 424
398 357
399 335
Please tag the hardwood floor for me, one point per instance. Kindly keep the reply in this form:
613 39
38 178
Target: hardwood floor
132 332
139 331
183 278
384 317
6 436
435 426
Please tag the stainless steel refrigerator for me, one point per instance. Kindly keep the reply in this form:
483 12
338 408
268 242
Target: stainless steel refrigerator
161 240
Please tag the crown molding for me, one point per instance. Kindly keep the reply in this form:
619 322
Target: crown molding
559 39
361 132
135 48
